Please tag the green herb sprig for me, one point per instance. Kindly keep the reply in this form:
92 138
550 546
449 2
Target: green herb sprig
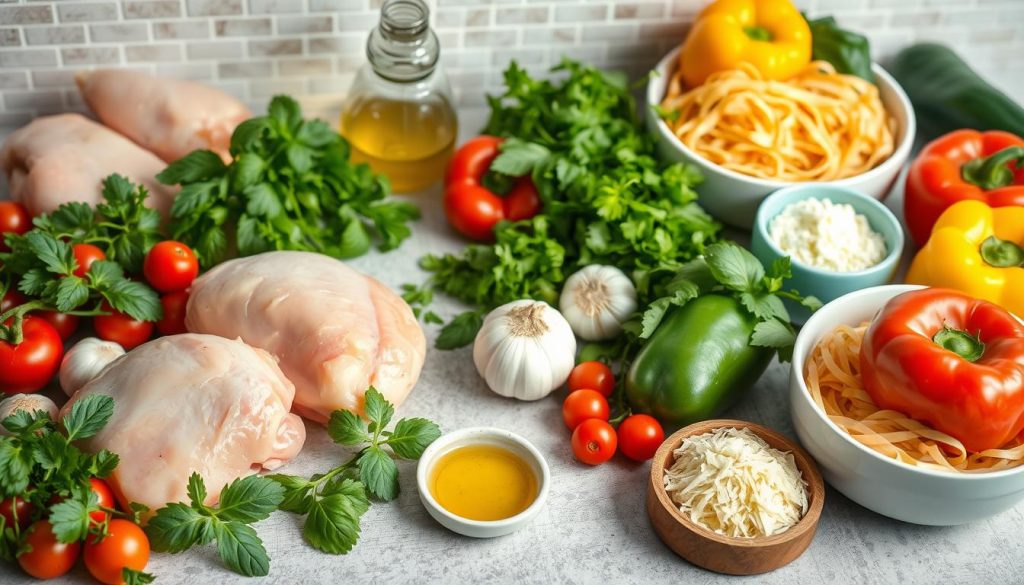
290 186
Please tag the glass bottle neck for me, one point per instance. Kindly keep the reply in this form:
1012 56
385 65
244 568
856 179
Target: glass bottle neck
403 48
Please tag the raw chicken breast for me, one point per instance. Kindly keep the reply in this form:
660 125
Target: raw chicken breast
169 117
334 330
188 403
64 158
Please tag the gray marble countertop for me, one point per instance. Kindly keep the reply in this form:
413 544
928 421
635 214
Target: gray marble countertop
594 528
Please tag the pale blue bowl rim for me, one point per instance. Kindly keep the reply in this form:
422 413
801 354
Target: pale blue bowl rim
858 200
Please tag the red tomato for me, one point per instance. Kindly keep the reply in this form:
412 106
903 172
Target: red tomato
12 298
105 497
48 558
65 324
12 505
173 321
472 209
592 375
170 266
14 218
581 405
125 546
594 441
640 436
85 255
122 329
28 366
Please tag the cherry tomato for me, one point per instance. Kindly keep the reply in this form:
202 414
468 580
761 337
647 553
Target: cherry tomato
594 441
12 298
122 329
65 324
581 405
173 321
48 558
85 255
28 366
14 218
125 546
105 497
12 505
170 266
640 436
592 375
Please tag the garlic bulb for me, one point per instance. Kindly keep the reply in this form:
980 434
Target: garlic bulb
597 300
524 350
84 361
29 402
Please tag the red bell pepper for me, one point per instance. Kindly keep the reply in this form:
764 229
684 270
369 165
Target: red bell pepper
964 164
472 208
951 361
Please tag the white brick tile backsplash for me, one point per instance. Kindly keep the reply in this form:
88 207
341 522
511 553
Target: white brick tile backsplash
10 37
86 11
152 9
119 32
187 29
67 34
312 48
213 7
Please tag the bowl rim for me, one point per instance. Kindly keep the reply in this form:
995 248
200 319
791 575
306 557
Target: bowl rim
895 161
441 446
797 372
805 463
820 191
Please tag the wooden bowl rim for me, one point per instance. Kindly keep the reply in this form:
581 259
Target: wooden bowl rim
806 465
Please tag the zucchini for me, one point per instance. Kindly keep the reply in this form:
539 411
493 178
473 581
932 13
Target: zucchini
948 95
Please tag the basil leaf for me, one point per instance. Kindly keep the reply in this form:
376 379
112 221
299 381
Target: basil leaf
249 499
241 549
177 527
198 165
733 266
460 331
847 51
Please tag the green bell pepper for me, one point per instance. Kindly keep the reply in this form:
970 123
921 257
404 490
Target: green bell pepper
697 363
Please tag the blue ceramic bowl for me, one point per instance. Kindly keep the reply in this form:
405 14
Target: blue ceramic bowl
826 284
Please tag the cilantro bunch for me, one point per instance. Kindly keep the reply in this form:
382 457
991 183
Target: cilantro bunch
333 502
41 262
289 186
606 198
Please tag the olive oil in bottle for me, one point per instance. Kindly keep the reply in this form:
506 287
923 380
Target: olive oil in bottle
398 116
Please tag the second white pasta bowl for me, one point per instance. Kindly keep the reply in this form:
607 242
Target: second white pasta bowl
733 197
881 484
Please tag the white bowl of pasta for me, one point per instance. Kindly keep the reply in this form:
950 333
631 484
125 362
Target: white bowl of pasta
915 491
728 128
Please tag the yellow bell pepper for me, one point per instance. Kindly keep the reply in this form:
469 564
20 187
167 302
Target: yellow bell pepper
976 249
771 35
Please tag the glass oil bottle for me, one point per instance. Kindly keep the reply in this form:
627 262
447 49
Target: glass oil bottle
398 116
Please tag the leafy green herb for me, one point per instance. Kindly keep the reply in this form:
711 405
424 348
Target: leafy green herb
178 527
290 186
847 51
333 502
133 577
41 263
606 198
727 268
38 462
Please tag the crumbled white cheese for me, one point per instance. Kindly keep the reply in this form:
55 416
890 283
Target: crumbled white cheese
821 234
732 482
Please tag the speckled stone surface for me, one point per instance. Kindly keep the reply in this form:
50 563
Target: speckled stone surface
594 528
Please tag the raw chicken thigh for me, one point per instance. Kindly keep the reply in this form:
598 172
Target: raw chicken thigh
169 117
59 159
188 403
334 330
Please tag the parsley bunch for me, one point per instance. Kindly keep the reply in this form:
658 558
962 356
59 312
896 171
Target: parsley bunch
606 198
290 186
41 263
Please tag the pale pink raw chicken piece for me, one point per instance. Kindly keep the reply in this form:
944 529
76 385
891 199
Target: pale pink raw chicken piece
193 403
334 330
64 158
169 117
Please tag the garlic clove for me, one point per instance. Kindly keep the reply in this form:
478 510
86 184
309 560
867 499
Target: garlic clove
596 300
28 403
84 361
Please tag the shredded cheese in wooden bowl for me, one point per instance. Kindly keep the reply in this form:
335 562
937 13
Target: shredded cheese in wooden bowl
732 482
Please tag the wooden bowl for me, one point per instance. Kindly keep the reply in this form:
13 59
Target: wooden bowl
726 554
